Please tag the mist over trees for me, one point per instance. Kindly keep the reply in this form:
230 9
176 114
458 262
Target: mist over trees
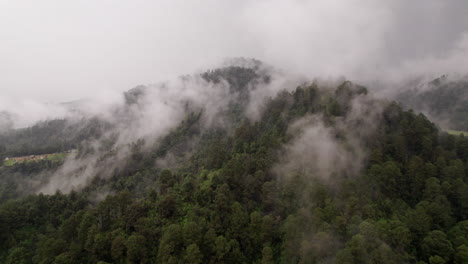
322 173
350 146
444 99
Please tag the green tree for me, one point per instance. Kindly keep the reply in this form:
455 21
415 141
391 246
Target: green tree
437 260
64 258
222 248
18 255
193 255
461 255
136 248
436 243
267 255
171 243
118 249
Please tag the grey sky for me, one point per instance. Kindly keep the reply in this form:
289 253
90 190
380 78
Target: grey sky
59 50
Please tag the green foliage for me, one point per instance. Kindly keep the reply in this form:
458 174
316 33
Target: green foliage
225 202
461 256
436 243
8 163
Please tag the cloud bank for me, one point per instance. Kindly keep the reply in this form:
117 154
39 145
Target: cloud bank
54 51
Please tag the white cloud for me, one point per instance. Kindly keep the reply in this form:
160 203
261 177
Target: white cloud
55 50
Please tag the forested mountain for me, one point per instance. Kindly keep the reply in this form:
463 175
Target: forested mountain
443 99
241 173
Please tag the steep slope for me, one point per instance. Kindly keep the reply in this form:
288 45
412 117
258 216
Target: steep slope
310 174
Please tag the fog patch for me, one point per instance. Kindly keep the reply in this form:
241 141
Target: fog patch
324 148
142 121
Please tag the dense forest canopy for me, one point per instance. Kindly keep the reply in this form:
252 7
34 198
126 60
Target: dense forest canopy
318 173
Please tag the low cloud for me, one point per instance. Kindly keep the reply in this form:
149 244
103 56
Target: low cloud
56 51
322 151
149 113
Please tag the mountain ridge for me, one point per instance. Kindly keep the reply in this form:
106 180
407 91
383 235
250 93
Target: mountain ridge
218 171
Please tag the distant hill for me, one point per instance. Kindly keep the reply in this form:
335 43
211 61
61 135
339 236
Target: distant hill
443 100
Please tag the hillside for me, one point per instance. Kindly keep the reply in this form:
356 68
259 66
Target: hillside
237 165
443 99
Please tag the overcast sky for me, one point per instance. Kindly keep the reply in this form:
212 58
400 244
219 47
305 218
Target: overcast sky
61 50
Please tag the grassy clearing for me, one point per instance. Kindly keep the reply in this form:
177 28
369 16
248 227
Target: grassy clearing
8 163
56 157
457 132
